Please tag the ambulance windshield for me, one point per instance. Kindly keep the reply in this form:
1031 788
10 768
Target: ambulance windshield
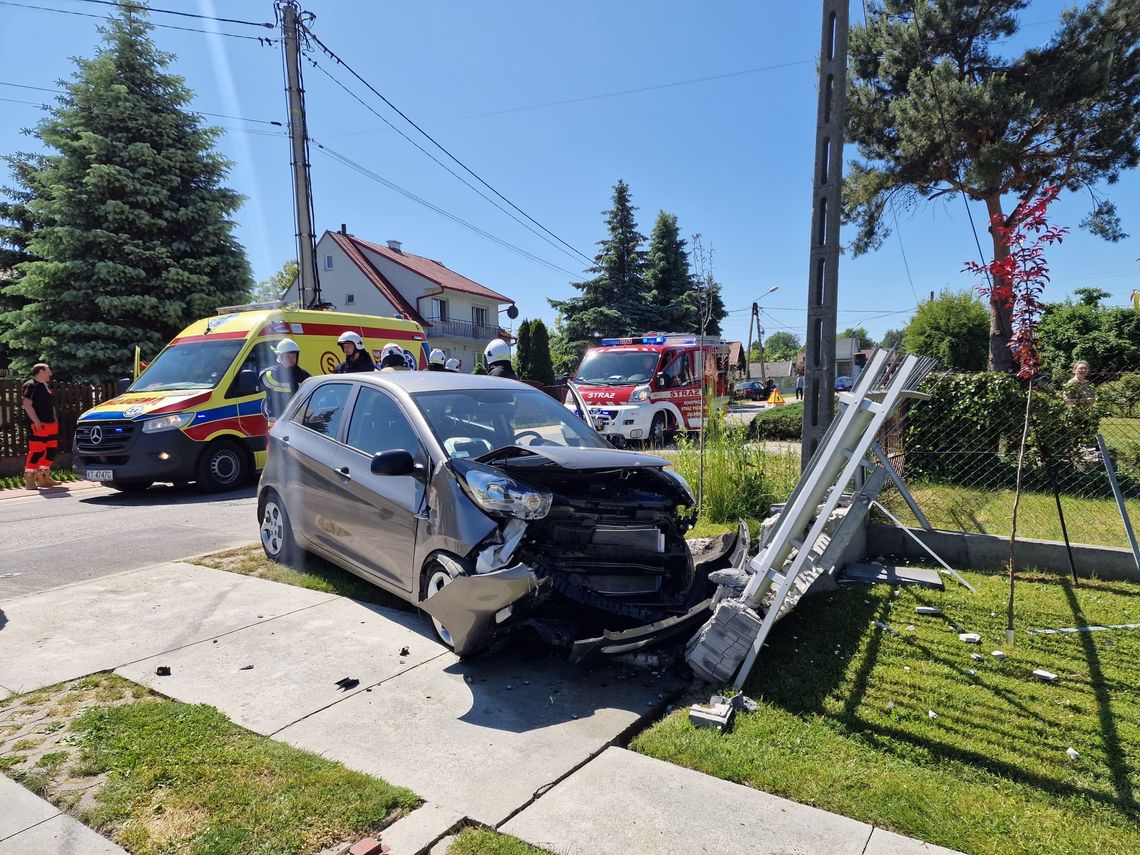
194 365
617 367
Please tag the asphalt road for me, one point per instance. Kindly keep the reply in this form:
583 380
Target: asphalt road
48 540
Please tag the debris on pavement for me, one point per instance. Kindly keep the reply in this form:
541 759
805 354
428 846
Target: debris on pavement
970 637
246 668
970 672
346 683
1047 676
931 714
404 651
1073 753
927 610
885 627
997 654
717 714
977 657
162 671
369 846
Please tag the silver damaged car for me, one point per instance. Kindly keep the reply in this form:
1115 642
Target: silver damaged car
487 503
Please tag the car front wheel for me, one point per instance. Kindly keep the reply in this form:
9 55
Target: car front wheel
436 578
276 532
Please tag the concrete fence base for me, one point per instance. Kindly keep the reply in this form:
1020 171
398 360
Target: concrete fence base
991 552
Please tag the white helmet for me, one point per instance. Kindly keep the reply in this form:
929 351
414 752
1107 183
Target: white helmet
392 349
438 357
349 335
453 364
497 350
286 345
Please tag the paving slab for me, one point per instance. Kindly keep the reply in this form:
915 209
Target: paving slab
885 842
420 830
277 672
59 836
102 624
624 802
482 736
923 577
20 808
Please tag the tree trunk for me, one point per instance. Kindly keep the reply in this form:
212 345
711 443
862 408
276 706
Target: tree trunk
1001 326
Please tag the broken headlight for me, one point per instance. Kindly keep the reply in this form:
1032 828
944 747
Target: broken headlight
498 493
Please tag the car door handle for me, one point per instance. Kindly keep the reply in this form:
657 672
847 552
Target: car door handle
343 473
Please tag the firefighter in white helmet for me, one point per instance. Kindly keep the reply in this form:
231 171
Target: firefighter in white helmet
392 358
437 360
280 382
356 358
454 364
497 356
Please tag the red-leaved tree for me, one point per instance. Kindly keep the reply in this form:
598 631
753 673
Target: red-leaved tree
1017 281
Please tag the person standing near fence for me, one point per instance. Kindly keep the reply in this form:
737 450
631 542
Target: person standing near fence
1078 391
43 438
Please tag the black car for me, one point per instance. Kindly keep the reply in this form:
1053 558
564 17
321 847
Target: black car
752 390
489 504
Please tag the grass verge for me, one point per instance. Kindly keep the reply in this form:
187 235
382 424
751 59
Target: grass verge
13 482
482 841
160 776
311 572
976 510
844 722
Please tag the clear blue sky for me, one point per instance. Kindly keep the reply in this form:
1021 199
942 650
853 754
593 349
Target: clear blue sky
730 156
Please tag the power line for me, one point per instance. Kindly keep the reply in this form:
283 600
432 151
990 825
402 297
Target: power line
902 249
332 55
264 40
379 179
435 159
143 8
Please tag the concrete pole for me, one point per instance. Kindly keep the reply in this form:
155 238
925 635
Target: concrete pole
823 270
309 287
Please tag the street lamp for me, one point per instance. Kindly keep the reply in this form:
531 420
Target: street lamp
755 317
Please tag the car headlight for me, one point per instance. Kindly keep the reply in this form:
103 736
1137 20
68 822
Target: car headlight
499 494
641 393
171 422
676 476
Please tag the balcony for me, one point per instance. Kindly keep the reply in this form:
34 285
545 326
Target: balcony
462 329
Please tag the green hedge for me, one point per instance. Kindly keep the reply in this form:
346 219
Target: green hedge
786 423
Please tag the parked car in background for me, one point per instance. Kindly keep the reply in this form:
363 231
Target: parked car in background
751 390
488 504
843 384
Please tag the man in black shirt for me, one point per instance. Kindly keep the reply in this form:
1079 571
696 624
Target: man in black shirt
497 357
356 358
43 438
281 381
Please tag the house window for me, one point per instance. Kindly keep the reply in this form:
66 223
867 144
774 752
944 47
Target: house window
479 316
349 299
328 262
438 309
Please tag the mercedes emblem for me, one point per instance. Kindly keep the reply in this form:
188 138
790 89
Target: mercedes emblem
96 435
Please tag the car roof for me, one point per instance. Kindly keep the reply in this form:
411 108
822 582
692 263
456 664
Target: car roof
431 381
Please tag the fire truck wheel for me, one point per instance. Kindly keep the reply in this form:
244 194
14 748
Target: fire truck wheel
657 431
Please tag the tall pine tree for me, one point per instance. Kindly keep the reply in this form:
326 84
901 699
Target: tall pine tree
133 225
672 292
540 343
614 302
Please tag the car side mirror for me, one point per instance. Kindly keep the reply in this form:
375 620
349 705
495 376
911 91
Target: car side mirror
663 380
246 382
123 385
396 461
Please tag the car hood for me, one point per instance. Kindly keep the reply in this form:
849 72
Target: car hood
572 458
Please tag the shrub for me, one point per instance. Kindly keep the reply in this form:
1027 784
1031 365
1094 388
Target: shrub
786 422
1121 397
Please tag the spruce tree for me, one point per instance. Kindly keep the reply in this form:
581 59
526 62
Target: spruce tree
134 237
17 224
614 302
540 344
524 352
672 292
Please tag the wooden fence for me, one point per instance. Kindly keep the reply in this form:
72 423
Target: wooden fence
71 401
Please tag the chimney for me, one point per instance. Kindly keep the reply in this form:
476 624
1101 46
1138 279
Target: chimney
394 245
344 228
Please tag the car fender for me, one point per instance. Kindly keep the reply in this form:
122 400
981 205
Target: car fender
453 523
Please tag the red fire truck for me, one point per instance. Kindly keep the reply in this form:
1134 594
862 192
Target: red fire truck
648 387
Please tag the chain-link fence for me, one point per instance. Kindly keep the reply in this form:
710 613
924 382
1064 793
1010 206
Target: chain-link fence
958 453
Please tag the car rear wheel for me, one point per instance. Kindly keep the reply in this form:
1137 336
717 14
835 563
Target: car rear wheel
436 577
223 466
276 532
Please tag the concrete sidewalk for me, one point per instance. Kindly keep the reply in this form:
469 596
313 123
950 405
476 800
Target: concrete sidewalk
31 826
518 740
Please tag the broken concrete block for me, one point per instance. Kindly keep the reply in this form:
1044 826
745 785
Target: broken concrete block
719 647
1047 676
931 714
719 716
743 702
997 654
977 657
368 846
970 637
1073 753
970 672
927 610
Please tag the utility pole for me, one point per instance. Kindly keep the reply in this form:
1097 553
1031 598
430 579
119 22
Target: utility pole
760 340
823 270
309 284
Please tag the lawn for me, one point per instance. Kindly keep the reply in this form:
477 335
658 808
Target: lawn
159 776
482 841
978 510
845 717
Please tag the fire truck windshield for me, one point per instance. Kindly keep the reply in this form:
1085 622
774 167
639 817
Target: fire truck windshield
617 367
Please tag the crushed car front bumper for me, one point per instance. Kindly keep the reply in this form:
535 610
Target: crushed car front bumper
472 607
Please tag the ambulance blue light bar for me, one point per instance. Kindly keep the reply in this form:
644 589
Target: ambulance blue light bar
649 339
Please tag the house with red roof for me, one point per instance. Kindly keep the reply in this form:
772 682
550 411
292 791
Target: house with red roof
458 314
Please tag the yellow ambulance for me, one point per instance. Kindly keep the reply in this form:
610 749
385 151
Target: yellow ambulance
195 413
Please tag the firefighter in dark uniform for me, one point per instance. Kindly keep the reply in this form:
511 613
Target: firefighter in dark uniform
497 356
280 382
356 358
43 429
437 361
393 358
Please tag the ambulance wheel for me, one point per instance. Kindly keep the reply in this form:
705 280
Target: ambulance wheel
657 431
131 487
222 466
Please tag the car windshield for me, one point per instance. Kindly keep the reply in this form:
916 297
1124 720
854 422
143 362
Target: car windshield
194 365
472 422
617 367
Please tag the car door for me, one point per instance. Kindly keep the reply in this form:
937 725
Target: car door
384 511
314 492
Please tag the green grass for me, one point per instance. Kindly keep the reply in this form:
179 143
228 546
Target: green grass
482 841
12 482
977 510
311 572
1118 432
991 773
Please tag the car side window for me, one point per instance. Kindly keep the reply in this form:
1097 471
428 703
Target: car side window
324 410
260 357
678 372
378 424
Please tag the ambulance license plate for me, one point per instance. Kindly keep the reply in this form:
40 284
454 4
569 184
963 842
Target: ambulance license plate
99 474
